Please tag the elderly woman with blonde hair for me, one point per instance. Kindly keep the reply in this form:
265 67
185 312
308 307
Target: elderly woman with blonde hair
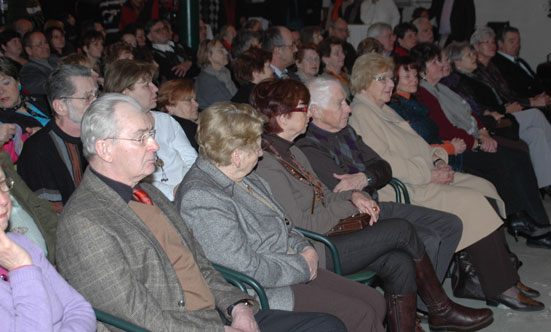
214 83
234 216
432 183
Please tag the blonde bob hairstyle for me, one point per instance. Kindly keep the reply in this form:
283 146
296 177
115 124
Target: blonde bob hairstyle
205 51
224 127
366 68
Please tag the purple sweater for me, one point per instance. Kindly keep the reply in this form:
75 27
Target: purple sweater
37 298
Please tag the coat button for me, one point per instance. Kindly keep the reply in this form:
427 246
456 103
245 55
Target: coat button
181 303
286 221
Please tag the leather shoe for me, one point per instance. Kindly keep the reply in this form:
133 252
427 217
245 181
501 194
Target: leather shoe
520 302
521 223
530 292
543 242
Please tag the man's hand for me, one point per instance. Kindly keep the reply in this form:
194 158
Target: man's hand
540 100
12 255
496 115
181 69
7 130
459 145
243 319
366 205
311 257
356 181
488 143
513 107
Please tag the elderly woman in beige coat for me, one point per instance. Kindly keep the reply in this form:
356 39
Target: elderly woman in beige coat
432 183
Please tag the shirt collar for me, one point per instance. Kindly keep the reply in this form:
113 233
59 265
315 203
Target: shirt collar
509 57
120 188
278 72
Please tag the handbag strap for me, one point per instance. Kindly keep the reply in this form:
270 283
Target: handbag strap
300 173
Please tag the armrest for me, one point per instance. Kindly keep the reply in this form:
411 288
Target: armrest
323 239
240 280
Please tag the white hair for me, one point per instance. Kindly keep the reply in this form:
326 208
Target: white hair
376 29
320 90
100 120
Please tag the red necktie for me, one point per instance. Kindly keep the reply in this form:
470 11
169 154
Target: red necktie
141 196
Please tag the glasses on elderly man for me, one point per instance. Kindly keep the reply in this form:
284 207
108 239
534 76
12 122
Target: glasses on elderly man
6 184
89 98
142 139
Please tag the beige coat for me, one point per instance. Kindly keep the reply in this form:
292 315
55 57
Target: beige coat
411 160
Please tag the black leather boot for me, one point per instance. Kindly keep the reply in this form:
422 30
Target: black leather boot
401 312
444 314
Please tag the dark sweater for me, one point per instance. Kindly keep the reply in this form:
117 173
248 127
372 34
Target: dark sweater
46 172
343 153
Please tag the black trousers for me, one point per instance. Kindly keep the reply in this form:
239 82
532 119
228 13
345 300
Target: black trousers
439 232
510 171
492 264
280 320
388 248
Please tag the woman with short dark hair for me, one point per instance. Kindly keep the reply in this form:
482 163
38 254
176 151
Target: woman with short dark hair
251 68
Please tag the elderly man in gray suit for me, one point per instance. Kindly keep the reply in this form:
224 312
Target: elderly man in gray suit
127 250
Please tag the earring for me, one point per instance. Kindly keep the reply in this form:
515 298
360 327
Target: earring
19 86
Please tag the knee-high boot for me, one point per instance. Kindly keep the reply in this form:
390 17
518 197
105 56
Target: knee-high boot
444 314
401 312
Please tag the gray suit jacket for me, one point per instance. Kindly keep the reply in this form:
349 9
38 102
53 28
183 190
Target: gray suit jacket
34 76
108 254
296 197
241 232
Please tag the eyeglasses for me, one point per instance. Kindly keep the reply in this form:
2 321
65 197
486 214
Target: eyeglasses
6 185
384 79
142 139
293 45
89 99
303 109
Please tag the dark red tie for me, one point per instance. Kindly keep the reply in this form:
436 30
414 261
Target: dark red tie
141 196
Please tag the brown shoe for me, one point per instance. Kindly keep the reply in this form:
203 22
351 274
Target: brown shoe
401 312
520 302
530 292
444 314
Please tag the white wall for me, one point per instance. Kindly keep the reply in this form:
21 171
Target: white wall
529 16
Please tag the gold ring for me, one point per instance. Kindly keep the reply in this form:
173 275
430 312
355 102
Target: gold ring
375 209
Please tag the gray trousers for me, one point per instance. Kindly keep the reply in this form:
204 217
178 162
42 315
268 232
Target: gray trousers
404 232
535 130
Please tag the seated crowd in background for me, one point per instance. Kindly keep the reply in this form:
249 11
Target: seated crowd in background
122 145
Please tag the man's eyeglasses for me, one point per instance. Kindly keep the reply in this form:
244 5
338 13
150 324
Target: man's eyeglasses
6 185
89 99
293 45
142 139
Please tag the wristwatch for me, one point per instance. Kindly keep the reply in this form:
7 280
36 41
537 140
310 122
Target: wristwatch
247 302
478 146
369 180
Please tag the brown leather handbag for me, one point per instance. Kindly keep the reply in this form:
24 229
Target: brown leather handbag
351 224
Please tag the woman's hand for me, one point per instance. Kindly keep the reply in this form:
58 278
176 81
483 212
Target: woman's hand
459 145
311 257
442 175
513 107
356 181
32 130
243 319
366 205
7 130
12 255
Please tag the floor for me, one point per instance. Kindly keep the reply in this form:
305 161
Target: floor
536 273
